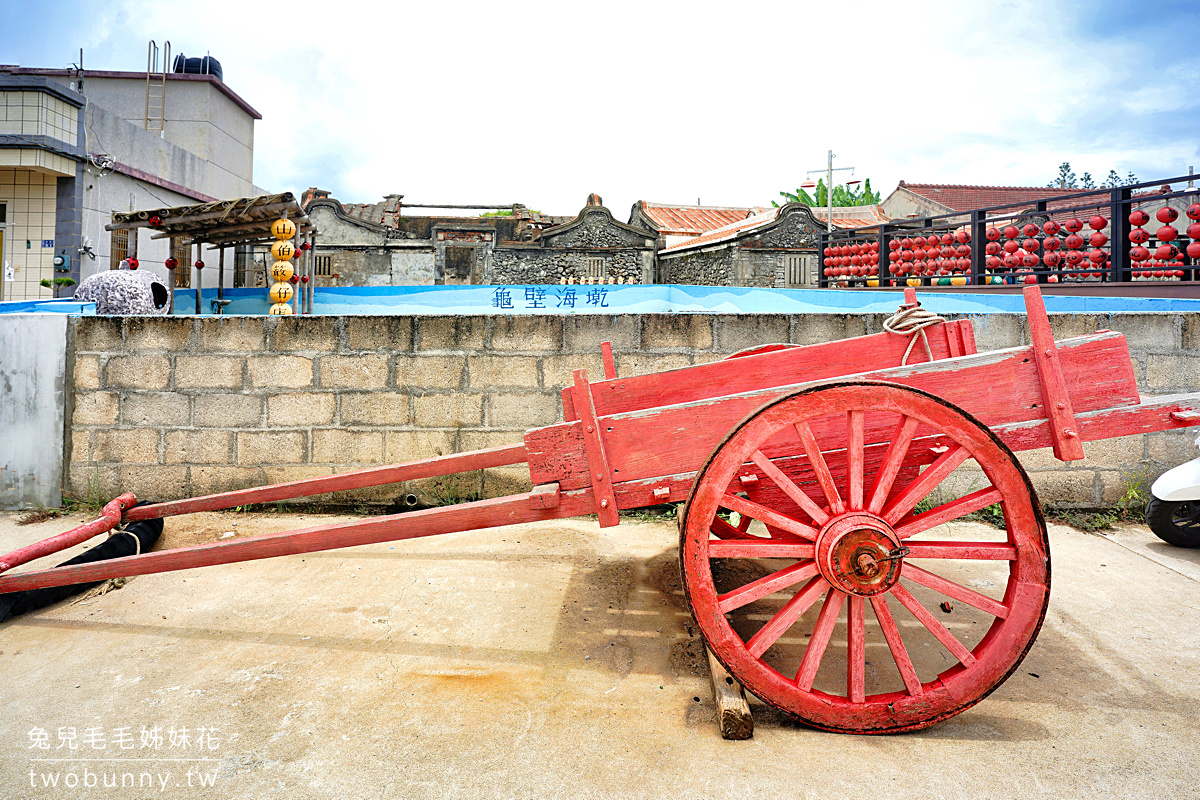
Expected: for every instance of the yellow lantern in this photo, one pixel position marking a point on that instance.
(958, 281)
(282, 250)
(281, 292)
(872, 282)
(281, 271)
(280, 310)
(914, 282)
(283, 229)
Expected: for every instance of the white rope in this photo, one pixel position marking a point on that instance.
(909, 321)
(137, 543)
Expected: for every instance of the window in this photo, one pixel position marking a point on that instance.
(248, 267)
(119, 250)
(183, 273)
(595, 267)
(795, 270)
(323, 265)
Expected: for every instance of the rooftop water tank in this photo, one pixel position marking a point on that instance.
(206, 65)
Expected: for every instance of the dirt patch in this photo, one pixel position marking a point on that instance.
(215, 526)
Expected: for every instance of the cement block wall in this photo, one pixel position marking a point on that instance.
(172, 407)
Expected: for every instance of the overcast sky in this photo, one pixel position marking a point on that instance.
(542, 103)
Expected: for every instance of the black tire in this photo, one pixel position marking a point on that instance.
(1175, 523)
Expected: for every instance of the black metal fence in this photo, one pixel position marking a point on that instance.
(1142, 232)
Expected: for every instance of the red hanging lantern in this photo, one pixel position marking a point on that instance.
(1139, 236)
(1031, 279)
(1073, 225)
(993, 262)
(1051, 243)
(1011, 246)
(1139, 253)
(992, 234)
(1074, 241)
(1138, 217)
(992, 248)
(947, 239)
(1031, 260)
(1098, 222)
(918, 242)
(1193, 211)
(1166, 233)
(1030, 229)
(1011, 232)
(1166, 252)
(1074, 257)
(827, 272)
(1097, 256)
(874, 247)
(855, 249)
(1166, 215)
(1193, 250)
(963, 237)
(1051, 259)
(1098, 239)
(893, 244)
(828, 251)
(1031, 245)
(1051, 228)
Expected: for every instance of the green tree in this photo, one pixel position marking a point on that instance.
(843, 196)
(1066, 179)
(59, 283)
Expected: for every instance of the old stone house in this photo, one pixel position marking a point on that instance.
(775, 248)
(379, 245)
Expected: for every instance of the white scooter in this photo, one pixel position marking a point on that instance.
(1174, 511)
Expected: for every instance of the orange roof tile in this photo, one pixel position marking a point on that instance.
(677, 220)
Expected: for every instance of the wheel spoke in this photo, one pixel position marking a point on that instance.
(856, 651)
(934, 474)
(786, 617)
(789, 488)
(854, 457)
(819, 467)
(953, 590)
(957, 648)
(767, 516)
(899, 654)
(756, 590)
(723, 530)
(976, 551)
(819, 639)
(947, 512)
(892, 461)
(753, 547)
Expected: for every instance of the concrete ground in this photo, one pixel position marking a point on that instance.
(553, 661)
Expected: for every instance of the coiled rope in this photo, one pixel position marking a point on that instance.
(909, 320)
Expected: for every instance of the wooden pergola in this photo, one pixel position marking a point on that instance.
(222, 224)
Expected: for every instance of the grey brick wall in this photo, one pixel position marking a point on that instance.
(173, 407)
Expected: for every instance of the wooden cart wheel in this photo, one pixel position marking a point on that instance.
(834, 473)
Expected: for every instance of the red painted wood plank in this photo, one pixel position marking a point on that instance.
(359, 479)
(998, 387)
(599, 474)
(1152, 414)
(750, 373)
(1067, 446)
(509, 510)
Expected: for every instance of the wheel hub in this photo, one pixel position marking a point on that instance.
(859, 554)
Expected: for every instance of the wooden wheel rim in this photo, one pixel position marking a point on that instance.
(996, 655)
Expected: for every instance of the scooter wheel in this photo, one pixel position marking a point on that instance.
(1175, 523)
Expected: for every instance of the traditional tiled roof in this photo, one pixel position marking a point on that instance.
(726, 232)
(847, 217)
(682, 220)
(958, 197)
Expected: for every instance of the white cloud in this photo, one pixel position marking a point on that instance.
(544, 103)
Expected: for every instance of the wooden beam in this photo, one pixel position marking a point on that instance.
(733, 712)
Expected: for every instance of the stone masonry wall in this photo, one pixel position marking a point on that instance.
(174, 407)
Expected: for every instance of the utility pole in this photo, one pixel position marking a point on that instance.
(829, 170)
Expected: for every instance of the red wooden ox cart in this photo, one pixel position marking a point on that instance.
(818, 482)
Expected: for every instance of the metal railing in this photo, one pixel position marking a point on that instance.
(1141, 232)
